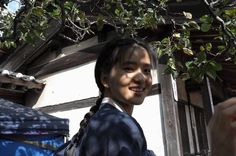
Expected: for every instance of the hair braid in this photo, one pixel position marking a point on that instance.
(110, 54)
(87, 116)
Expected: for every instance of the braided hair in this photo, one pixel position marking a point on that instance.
(111, 54)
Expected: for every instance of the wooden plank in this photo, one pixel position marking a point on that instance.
(20, 82)
(190, 132)
(201, 129)
(181, 91)
(170, 117)
(207, 99)
(184, 126)
(12, 95)
(80, 57)
(84, 102)
(156, 89)
(69, 105)
(66, 62)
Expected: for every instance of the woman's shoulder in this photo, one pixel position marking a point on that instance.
(116, 127)
(108, 110)
(110, 113)
(110, 118)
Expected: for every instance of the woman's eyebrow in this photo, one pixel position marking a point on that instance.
(135, 63)
(129, 63)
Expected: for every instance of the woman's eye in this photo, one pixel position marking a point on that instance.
(128, 69)
(147, 70)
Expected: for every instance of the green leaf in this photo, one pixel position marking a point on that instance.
(38, 11)
(56, 12)
(176, 35)
(160, 52)
(117, 11)
(68, 5)
(100, 22)
(166, 40)
(188, 15)
(201, 57)
(221, 47)
(167, 70)
(194, 25)
(208, 46)
(205, 27)
(187, 51)
(215, 66)
(171, 63)
(206, 19)
(231, 11)
(184, 76)
(211, 74)
(202, 49)
(189, 64)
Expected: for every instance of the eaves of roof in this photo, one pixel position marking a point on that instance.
(16, 81)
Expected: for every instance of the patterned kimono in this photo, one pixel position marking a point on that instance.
(111, 132)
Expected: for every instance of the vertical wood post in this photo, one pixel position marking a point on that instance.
(170, 117)
(207, 99)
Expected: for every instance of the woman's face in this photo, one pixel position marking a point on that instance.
(130, 79)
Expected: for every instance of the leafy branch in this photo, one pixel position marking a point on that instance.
(127, 18)
(229, 37)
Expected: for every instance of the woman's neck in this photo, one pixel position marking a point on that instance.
(122, 107)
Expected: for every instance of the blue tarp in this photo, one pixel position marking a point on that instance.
(35, 145)
(27, 132)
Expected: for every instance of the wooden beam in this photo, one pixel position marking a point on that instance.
(66, 62)
(156, 89)
(77, 58)
(20, 82)
(12, 95)
(85, 102)
(207, 99)
(69, 105)
(170, 118)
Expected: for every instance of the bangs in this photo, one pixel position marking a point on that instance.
(121, 53)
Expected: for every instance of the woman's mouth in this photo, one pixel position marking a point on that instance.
(137, 90)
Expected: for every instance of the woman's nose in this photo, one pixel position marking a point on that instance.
(139, 76)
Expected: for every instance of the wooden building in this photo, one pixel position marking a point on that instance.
(174, 116)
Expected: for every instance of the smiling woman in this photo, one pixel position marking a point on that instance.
(123, 76)
(130, 79)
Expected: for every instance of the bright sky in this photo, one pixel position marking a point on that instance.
(13, 6)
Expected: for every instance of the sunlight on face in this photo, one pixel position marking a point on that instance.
(130, 80)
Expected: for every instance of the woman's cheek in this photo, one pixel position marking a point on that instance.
(149, 81)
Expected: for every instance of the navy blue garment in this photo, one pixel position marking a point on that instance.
(111, 132)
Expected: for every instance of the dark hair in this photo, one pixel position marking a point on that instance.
(111, 54)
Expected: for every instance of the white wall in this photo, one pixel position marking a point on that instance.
(148, 116)
(69, 85)
(78, 83)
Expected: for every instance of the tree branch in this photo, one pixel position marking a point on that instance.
(231, 39)
(16, 21)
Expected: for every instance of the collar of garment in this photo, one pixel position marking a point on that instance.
(113, 103)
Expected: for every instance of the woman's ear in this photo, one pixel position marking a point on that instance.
(105, 80)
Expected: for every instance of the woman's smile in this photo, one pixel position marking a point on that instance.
(137, 90)
(130, 80)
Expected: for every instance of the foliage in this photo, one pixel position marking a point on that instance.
(31, 21)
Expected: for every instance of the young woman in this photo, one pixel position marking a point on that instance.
(123, 76)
